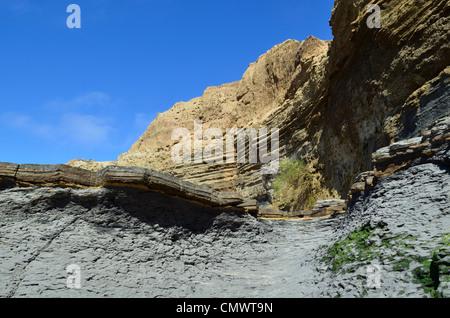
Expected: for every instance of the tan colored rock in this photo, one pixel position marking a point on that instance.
(358, 187)
(90, 164)
(252, 102)
(335, 104)
(8, 170)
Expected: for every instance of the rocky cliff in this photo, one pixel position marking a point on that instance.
(399, 220)
(367, 114)
(334, 102)
(248, 103)
(384, 84)
(112, 176)
(128, 241)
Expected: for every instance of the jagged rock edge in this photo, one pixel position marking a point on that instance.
(115, 176)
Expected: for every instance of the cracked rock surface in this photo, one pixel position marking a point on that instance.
(134, 243)
(393, 241)
(402, 226)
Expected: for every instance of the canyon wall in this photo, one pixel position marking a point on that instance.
(262, 93)
(383, 84)
(368, 113)
(334, 102)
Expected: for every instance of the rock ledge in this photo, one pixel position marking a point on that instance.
(63, 175)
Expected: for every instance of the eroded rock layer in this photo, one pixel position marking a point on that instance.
(384, 84)
(335, 102)
(261, 93)
(394, 241)
(373, 103)
(63, 175)
(432, 146)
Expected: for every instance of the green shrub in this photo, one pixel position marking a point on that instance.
(293, 189)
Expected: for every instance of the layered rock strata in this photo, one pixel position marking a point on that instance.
(335, 102)
(322, 209)
(131, 242)
(429, 147)
(127, 242)
(394, 240)
(264, 92)
(383, 84)
(67, 176)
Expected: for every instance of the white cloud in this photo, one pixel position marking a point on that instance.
(18, 6)
(70, 128)
(85, 129)
(26, 123)
(89, 100)
(89, 120)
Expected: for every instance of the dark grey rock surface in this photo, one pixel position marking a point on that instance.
(129, 242)
(406, 217)
(435, 103)
(134, 243)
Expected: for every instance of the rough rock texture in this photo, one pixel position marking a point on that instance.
(131, 242)
(371, 104)
(335, 103)
(263, 92)
(127, 241)
(401, 225)
(399, 220)
(91, 164)
(134, 243)
(384, 84)
(404, 153)
(323, 208)
(399, 154)
(64, 175)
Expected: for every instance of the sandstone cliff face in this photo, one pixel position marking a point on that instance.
(249, 103)
(374, 104)
(334, 104)
(245, 103)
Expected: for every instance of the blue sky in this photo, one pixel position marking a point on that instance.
(91, 92)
